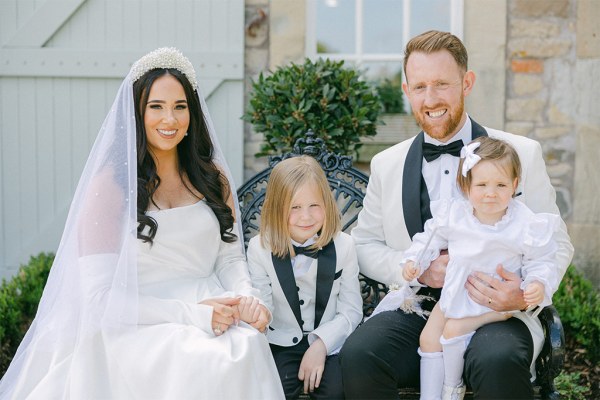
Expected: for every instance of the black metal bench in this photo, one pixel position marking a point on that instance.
(349, 187)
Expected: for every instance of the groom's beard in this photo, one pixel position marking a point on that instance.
(444, 129)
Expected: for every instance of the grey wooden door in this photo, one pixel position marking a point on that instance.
(61, 62)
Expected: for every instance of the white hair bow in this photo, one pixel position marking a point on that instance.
(468, 153)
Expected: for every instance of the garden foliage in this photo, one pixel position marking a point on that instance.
(578, 304)
(19, 298)
(324, 96)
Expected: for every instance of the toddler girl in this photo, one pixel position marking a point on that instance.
(488, 229)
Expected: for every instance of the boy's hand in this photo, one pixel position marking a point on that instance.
(263, 319)
(312, 365)
(249, 309)
(534, 293)
(410, 271)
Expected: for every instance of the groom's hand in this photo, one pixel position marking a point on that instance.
(499, 295)
(435, 274)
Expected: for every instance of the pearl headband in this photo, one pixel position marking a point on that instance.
(470, 158)
(164, 57)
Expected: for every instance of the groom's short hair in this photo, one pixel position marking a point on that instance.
(432, 41)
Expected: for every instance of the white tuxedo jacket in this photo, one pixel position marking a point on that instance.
(394, 206)
(293, 301)
(392, 213)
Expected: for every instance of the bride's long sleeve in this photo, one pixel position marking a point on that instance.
(154, 310)
(97, 274)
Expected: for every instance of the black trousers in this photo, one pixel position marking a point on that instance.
(288, 361)
(381, 356)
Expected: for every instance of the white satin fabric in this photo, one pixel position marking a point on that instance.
(174, 353)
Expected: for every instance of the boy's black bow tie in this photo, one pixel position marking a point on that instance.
(306, 251)
(431, 151)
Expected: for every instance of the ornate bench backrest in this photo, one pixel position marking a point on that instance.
(348, 185)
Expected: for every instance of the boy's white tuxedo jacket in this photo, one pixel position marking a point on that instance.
(342, 314)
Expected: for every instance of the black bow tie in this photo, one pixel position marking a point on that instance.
(306, 251)
(431, 151)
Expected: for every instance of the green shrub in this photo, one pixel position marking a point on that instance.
(578, 304)
(333, 101)
(19, 298)
(390, 96)
(569, 387)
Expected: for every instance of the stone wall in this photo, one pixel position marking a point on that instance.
(585, 222)
(541, 55)
(553, 59)
(256, 60)
(275, 35)
(485, 38)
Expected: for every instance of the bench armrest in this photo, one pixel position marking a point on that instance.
(551, 359)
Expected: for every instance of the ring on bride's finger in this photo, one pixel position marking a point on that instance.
(489, 300)
(218, 330)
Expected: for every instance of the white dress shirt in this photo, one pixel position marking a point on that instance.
(440, 174)
(301, 263)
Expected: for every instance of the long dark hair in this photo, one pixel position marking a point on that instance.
(195, 153)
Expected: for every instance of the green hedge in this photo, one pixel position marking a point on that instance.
(19, 298)
(578, 304)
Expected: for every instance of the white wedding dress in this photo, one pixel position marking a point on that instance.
(173, 353)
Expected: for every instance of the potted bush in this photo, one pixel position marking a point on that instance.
(324, 96)
(394, 124)
(390, 95)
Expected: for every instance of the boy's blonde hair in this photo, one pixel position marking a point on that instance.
(496, 150)
(285, 180)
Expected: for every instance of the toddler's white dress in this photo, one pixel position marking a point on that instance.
(521, 241)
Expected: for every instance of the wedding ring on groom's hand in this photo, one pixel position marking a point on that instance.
(217, 330)
(489, 300)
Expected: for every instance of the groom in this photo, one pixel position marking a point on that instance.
(381, 355)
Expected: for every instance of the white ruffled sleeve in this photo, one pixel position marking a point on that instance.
(539, 254)
(434, 226)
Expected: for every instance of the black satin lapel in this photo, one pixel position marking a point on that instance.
(412, 181)
(425, 206)
(325, 278)
(477, 130)
(285, 274)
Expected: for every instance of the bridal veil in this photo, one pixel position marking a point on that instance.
(92, 291)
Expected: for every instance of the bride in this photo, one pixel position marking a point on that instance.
(149, 296)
